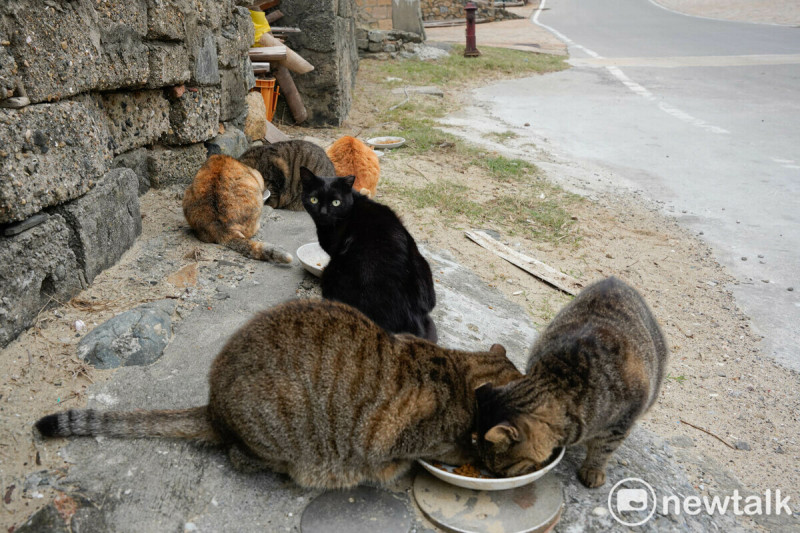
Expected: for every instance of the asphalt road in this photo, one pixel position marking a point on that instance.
(702, 115)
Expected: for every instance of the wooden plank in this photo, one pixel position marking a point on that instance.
(284, 29)
(268, 53)
(534, 267)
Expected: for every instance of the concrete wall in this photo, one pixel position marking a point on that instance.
(123, 95)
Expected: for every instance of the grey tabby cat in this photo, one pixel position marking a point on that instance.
(315, 389)
(596, 368)
(279, 163)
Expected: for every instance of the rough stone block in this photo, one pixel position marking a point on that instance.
(114, 15)
(194, 116)
(50, 153)
(135, 118)
(105, 222)
(8, 69)
(175, 165)
(235, 38)
(34, 266)
(233, 91)
(233, 143)
(328, 42)
(75, 55)
(169, 65)
(203, 50)
(135, 337)
(139, 162)
(166, 20)
(362, 44)
(255, 125)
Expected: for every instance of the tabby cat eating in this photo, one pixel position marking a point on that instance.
(315, 389)
(223, 205)
(596, 368)
(375, 265)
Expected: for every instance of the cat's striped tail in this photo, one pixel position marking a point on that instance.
(259, 250)
(190, 424)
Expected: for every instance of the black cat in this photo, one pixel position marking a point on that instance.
(375, 265)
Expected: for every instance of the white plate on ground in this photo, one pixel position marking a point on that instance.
(313, 258)
(445, 473)
(386, 142)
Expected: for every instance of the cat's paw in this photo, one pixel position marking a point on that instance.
(592, 477)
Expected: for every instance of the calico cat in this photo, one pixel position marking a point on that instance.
(375, 265)
(280, 164)
(596, 368)
(315, 389)
(223, 205)
(352, 157)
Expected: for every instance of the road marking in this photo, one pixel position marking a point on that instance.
(629, 83)
(688, 61)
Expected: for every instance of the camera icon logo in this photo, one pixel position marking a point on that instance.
(632, 502)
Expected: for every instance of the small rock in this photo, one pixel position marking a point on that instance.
(599, 511)
(790, 289)
(741, 445)
(527, 124)
(80, 325)
(744, 258)
(761, 256)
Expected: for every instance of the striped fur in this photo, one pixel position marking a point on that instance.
(280, 164)
(223, 205)
(596, 368)
(315, 389)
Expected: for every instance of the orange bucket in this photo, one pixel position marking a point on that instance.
(269, 92)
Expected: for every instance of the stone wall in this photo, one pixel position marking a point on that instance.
(327, 41)
(100, 100)
(454, 9)
(375, 14)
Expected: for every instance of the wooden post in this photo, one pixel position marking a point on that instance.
(290, 93)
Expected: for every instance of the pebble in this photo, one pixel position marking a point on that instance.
(741, 445)
(744, 258)
(599, 511)
(790, 289)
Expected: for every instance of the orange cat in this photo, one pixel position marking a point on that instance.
(352, 157)
(223, 205)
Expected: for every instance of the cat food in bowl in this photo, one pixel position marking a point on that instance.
(386, 142)
(313, 258)
(470, 477)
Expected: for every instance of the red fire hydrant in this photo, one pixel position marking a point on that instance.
(471, 50)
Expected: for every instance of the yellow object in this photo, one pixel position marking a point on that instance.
(260, 23)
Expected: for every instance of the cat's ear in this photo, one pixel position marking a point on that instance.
(307, 177)
(349, 180)
(497, 349)
(502, 436)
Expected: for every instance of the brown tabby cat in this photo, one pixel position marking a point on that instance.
(280, 164)
(223, 205)
(596, 368)
(315, 389)
(352, 157)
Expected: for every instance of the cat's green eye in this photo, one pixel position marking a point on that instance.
(313, 199)
(336, 203)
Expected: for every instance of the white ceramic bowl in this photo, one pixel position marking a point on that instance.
(313, 258)
(386, 142)
(495, 483)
